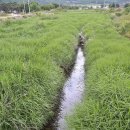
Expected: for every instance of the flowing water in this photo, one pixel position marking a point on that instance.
(72, 92)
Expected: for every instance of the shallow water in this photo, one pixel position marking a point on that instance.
(72, 92)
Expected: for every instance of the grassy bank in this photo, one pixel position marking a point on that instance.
(122, 23)
(31, 53)
(106, 103)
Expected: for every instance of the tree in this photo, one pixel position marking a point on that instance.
(10, 7)
(114, 5)
(56, 5)
(126, 5)
(29, 6)
(34, 6)
(104, 3)
(24, 10)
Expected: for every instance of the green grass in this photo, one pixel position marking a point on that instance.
(122, 24)
(106, 103)
(31, 53)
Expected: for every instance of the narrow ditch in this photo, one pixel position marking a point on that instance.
(72, 91)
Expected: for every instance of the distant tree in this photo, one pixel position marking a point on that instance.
(70, 7)
(102, 5)
(126, 5)
(49, 6)
(34, 6)
(10, 7)
(24, 11)
(29, 6)
(56, 5)
(26, 8)
(114, 5)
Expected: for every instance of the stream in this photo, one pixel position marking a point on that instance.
(72, 92)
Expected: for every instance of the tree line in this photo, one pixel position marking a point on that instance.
(35, 6)
(25, 7)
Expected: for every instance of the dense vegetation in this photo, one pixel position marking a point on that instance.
(7, 7)
(122, 24)
(31, 53)
(20, 7)
(121, 20)
(106, 103)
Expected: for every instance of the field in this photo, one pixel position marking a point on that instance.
(32, 51)
(106, 104)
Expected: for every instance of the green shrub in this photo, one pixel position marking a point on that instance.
(118, 14)
(127, 10)
(113, 16)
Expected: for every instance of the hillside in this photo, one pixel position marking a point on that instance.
(68, 1)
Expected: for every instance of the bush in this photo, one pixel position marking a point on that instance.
(118, 14)
(113, 16)
(127, 10)
(125, 29)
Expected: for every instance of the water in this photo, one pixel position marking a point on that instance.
(73, 91)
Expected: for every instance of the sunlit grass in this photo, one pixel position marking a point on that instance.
(31, 53)
(106, 104)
